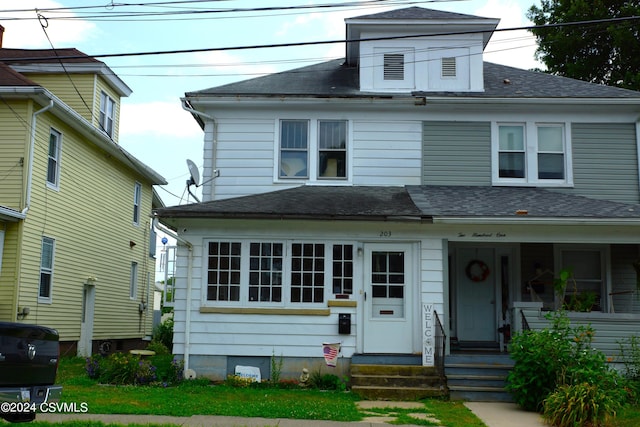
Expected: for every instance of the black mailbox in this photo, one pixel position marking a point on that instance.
(344, 323)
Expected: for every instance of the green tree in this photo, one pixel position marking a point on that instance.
(605, 53)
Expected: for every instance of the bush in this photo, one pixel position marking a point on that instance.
(327, 381)
(158, 348)
(163, 333)
(558, 356)
(580, 404)
(121, 369)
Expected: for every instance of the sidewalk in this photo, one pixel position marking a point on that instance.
(493, 414)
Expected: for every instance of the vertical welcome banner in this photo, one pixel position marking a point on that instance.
(330, 351)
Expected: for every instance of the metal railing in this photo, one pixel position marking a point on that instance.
(439, 345)
(525, 324)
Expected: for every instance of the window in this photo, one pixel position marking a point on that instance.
(588, 265)
(107, 108)
(265, 272)
(393, 66)
(307, 272)
(531, 153)
(223, 271)
(387, 274)
(294, 148)
(277, 273)
(46, 269)
(449, 67)
(137, 197)
(321, 158)
(332, 142)
(133, 284)
(53, 165)
(343, 269)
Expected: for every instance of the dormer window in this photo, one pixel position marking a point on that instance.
(449, 66)
(107, 112)
(393, 66)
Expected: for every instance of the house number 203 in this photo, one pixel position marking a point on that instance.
(385, 233)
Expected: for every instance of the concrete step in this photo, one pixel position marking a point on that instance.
(388, 382)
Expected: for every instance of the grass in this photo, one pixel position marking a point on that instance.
(199, 398)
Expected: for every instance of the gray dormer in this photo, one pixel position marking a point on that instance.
(417, 49)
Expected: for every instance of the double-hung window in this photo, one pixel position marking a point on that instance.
(137, 200)
(133, 281)
(281, 273)
(531, 154)
(53, 162)
(46, 269)
(321, 157)
(107, 112)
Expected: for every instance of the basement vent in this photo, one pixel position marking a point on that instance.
(393, 66)
(449, 67)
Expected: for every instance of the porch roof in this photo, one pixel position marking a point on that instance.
(414, 202)
(504, 202)
(308, 202)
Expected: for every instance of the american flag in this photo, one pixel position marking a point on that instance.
(331, 353)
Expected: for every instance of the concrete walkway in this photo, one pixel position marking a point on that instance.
(499, 414)
(493, 414)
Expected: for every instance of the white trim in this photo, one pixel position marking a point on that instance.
(58, 169)
(47, 299)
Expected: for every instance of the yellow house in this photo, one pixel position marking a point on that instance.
(76, 243)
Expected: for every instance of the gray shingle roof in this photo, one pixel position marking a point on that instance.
(477, 201)
(306, 202)
(336, 80)
(415, 202)
(418, 13)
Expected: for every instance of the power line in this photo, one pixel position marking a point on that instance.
(323, 42)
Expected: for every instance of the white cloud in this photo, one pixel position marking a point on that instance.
(29, 34)
(515, 48)
(161, 118)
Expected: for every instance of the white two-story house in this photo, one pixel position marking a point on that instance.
(368, 200)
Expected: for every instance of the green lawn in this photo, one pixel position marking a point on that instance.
(199, 398)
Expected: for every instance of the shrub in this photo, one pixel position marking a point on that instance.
(163, 333)
(581, 404)
(559, 355)
(158, 347)
(327, 381)
(121, 369)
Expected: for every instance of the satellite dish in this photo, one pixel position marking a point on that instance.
(195, 174)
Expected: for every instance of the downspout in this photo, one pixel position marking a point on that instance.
(32, 144)
(214, 143)
(187, 328)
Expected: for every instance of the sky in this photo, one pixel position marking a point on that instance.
(153, 126)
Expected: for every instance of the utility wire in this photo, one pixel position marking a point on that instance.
(323, 42)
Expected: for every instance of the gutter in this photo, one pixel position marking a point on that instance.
(542, 221)
(32, 144)
(187, 328)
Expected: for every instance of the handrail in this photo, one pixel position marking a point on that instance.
(440, 343)
(525, 324)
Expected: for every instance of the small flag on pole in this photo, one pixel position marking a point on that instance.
(331, 351)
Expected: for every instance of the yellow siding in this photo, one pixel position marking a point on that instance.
(15, 118)
(9, 272)
(75, 90)
(102, 86)
(91, 219)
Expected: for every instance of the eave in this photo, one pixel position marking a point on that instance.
(101, 140)
(523, 220)
(11, 215)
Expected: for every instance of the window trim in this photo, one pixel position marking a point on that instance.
(137, 203)
(287, 257)
(133, 281)
(313, 152)
(106, 119)
(50, 271)
(58, 135)
(530, 133)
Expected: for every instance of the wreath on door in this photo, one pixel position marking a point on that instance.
(477, 271)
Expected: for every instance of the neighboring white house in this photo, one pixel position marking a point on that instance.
(359, 199)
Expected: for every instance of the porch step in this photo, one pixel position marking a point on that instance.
(478, 377)
(396, 382)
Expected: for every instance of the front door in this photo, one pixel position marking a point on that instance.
(476, 294)
(388, 317)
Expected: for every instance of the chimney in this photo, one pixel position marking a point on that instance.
(1, 34)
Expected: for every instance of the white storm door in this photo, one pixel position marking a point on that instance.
(476, 295)
(388, 284)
